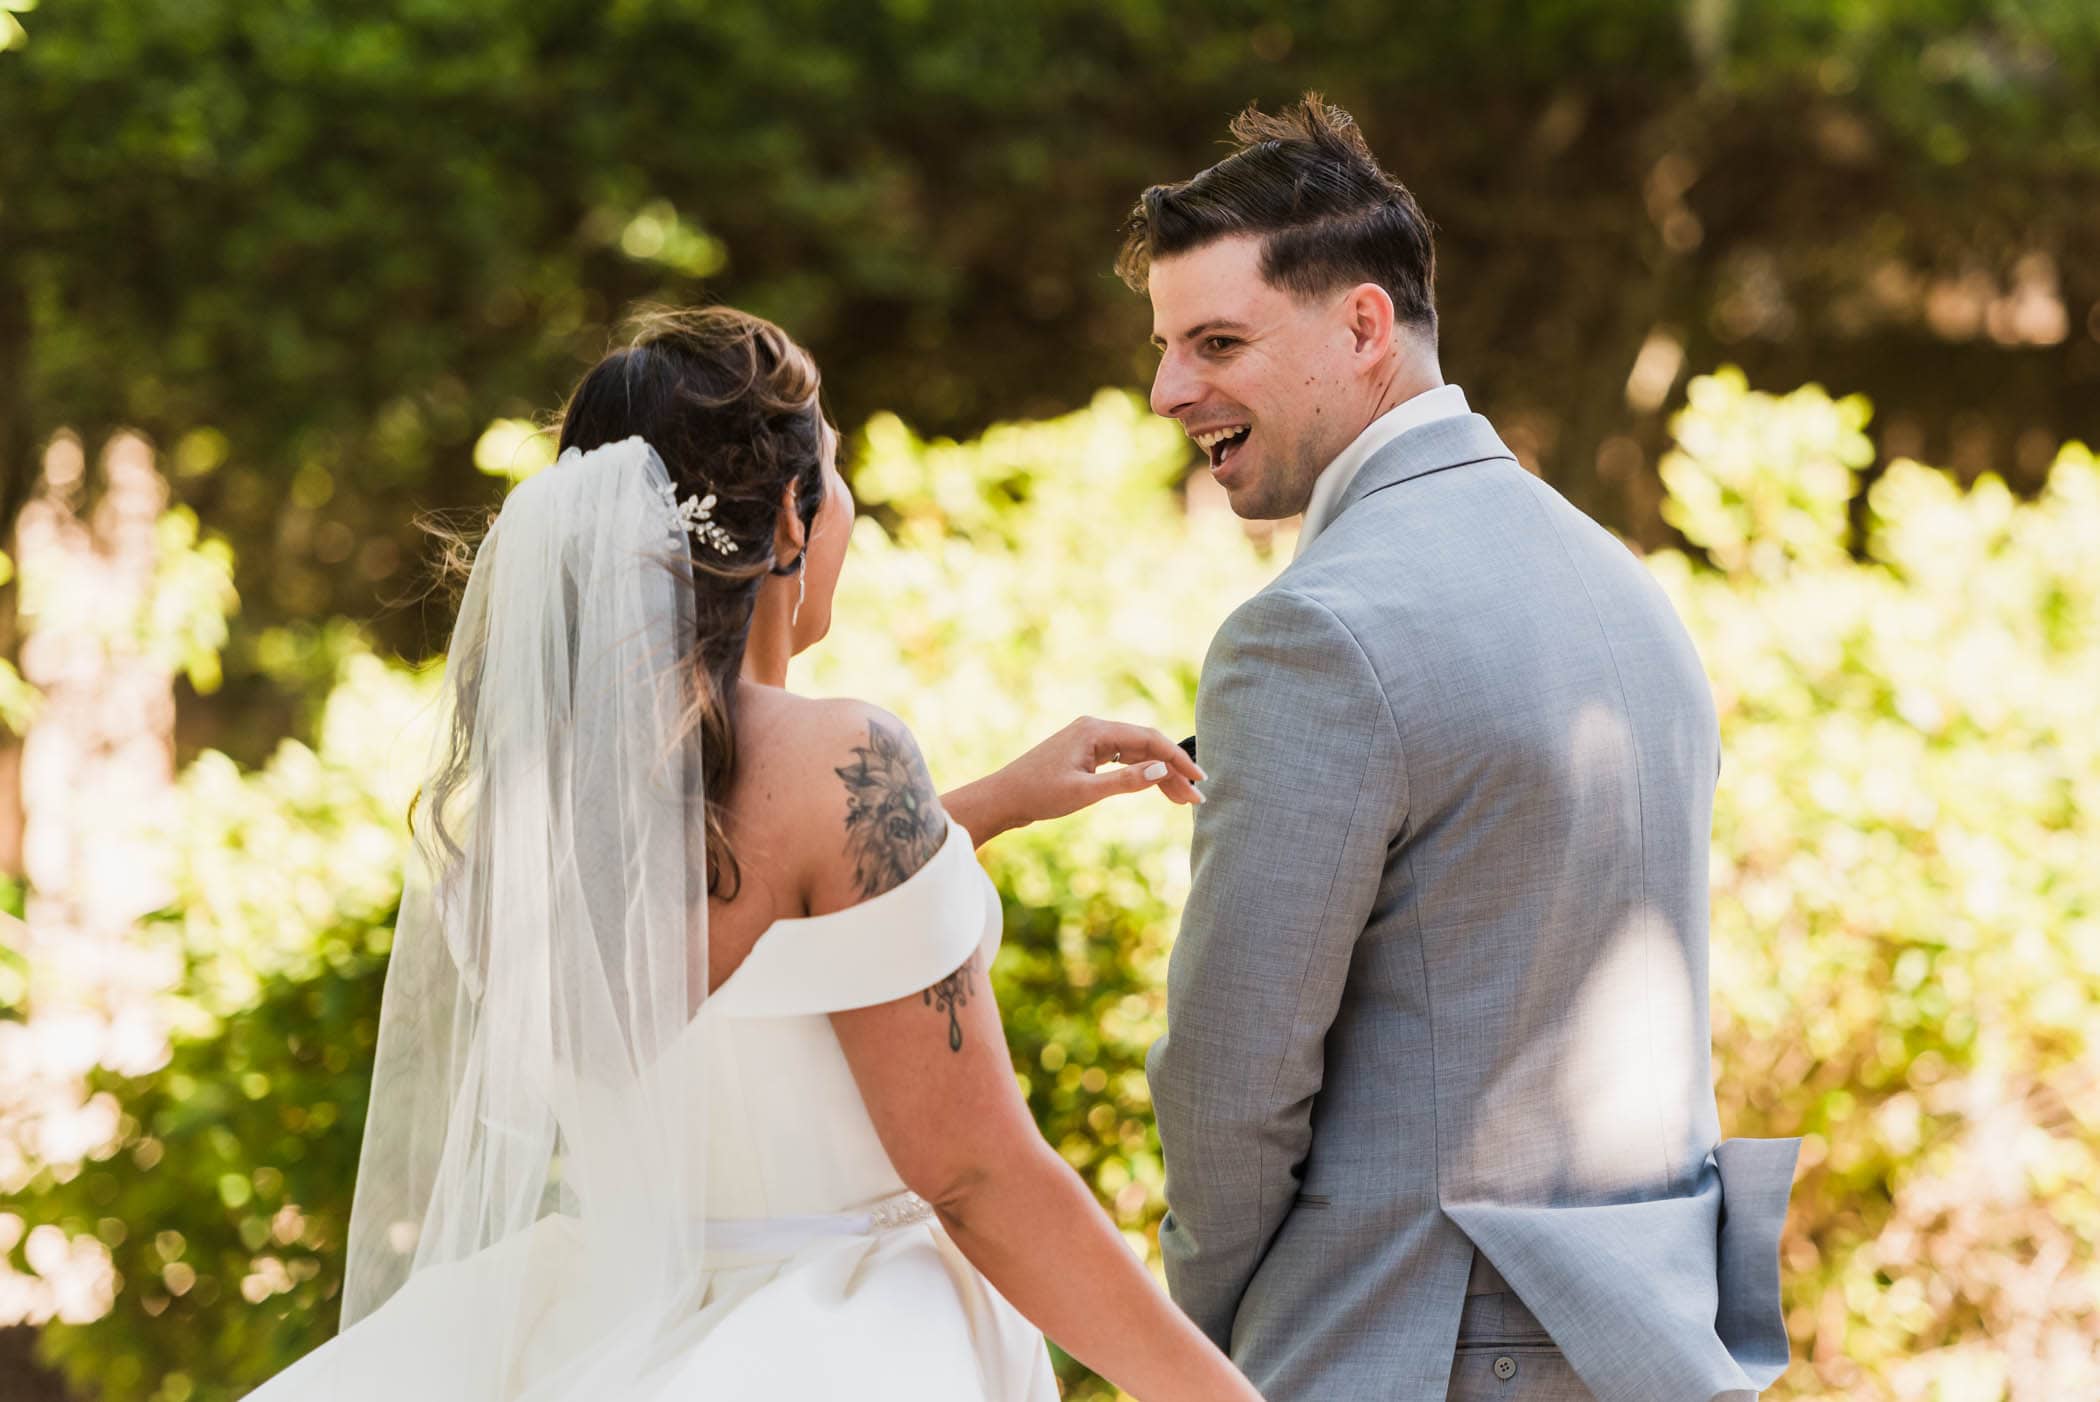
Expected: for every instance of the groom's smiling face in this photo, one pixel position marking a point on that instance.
(1268, 382)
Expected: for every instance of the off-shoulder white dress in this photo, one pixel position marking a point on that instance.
(825, 1277)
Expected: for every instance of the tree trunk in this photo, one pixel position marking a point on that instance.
(22, 1378)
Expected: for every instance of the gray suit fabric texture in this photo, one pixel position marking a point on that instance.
(1504, 1353)
(1441, 984)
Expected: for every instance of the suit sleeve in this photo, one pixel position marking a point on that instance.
(1306, 795)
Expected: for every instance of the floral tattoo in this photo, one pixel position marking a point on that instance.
(894, 823)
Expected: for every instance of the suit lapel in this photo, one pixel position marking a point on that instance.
(1434, 447)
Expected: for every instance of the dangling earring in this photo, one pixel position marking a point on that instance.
(801, 583)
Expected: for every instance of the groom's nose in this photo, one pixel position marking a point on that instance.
(1174, 388)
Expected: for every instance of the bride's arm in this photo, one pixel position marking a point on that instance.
(932, 1068)
(934, 1072)
(984, 808)
(1087, 761)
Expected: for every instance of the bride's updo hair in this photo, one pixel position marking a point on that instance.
(730, 404)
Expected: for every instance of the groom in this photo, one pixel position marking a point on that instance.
(1435, 1096)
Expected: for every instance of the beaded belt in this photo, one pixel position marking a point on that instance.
(769, 1235)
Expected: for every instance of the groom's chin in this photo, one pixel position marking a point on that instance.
(1259, 501)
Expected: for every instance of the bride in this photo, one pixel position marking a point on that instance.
(690, 1083)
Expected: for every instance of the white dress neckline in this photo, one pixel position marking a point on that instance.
(872, 905)
(818, 966)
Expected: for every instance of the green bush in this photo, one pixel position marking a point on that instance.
(1906, 948)
(1906, 954)
(223, 1203)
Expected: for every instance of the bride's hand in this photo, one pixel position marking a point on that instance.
(1080, 765)
(1090, 760)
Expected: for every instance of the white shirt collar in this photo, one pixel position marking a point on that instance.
(1443, 402)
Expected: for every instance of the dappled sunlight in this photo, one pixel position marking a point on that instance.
(1629, 1021)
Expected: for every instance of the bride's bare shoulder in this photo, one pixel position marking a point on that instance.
(848, 778)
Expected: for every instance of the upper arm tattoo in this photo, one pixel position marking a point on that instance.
(948, 996)
(894, 823)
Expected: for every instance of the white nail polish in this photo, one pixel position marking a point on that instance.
(1155, 771)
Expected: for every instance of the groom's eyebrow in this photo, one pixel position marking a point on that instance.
(1202, 328)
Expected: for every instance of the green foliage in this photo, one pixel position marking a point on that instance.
(224, 1201)
(225, 1213)
(189, 599)
(14, 965)
(1906, 955)
(276, 871)
(1764, 484)
(12, 34)
(18, 699)
(178, 622)
(328, 244)
(1906, 952)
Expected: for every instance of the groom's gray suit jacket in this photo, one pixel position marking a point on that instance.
(1442, 980)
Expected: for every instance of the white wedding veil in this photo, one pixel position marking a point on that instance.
(531, 1168)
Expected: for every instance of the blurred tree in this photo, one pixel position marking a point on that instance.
(233, 1192)
(215, 1221)
(120, 600)
(312, 251)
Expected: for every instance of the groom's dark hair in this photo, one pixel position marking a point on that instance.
(1305, 180)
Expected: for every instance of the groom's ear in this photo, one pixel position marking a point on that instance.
(1369, 309)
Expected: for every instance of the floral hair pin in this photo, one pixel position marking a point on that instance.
(696, 514)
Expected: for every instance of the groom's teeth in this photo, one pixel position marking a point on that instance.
(1216, 436)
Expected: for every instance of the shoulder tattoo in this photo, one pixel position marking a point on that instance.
(894, 823)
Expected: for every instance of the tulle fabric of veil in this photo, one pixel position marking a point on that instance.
(535, 1102)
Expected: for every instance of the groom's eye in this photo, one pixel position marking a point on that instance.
(1218, 344)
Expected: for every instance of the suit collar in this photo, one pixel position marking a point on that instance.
(1434, 447)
